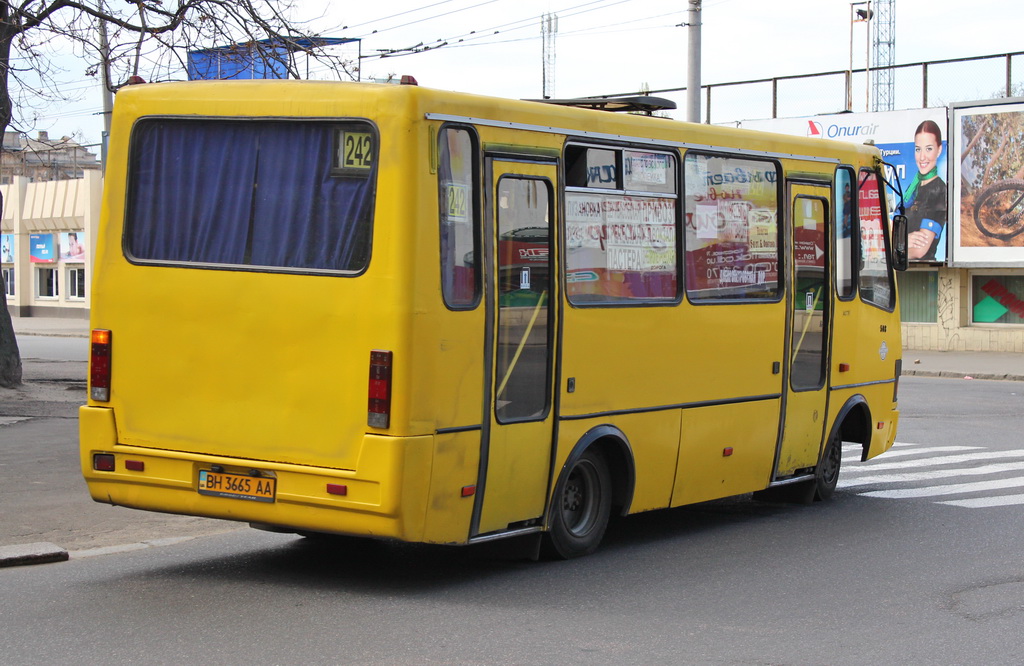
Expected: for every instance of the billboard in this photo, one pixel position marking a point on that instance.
(72, 246)
(914, 142)
(988, 183)
(41, 248)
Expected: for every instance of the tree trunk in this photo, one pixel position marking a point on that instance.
(10, 357)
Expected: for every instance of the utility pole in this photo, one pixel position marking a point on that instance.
(693, 63)
(548, 28)
(108, 96)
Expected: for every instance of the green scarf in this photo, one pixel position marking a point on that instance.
(912, 188)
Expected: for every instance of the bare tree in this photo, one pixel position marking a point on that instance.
(127, 39)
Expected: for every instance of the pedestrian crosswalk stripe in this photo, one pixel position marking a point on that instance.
(876, 465)
(985, 502)
(953, 489)
(928, 476)
(904, 450)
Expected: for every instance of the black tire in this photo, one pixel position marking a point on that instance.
(826, 475)
(999, 209)
(580, 508)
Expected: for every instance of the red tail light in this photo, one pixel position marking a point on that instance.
(379, 413)
(99, 365)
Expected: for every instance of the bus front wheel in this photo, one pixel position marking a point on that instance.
(580, 508)
(826, 476)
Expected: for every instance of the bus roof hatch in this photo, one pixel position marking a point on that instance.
(642, 103)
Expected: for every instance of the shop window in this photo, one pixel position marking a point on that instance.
(48, 282)
(8, 274)
(997, 299)
(76, 283)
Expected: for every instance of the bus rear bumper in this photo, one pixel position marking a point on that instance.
(386, 497)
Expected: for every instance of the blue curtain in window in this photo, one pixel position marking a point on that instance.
(304, 216)
(259, 194)
(191, 191)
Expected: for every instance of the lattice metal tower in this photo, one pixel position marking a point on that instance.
(548, 29)
(883, 55)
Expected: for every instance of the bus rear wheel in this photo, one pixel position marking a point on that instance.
(580, 508)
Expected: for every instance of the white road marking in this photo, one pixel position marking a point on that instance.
(876, 466)
(952, 489)
(985, 502)
(929, 476)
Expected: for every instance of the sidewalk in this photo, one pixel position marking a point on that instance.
(964, 365)
(959, 365)
(51, 326)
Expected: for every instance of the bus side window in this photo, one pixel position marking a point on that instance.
(875, 279)
(732, 228)
(844, 232)
(459, 215)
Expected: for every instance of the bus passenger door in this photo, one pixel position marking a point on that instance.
(515, 457)
(809, 332)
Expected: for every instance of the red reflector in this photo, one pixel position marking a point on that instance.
(468, 491)
(726, 452)
(844, 367)
(881, 425)
(99, 365)
(135, 465)
(103, 462)
(379, 407)
(336, 489)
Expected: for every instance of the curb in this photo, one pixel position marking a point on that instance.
(51, 334)
(947, 374)
(31, 553)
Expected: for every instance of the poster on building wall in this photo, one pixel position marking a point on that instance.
(914, 142)
(41, 248)
(72, 246)
(988, 184)
(7, 248)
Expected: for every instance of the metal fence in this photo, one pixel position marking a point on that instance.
(916, 85)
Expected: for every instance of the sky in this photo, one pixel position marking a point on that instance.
(620, 46)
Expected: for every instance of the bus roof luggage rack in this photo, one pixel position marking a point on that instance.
(642, 103)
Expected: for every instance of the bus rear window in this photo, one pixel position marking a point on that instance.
(280, 196)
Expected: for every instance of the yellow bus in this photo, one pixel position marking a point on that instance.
(403, 313)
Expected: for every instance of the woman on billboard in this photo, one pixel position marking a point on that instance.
(926, 195)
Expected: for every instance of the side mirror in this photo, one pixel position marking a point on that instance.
(900, 259)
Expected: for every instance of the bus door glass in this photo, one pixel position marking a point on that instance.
(809, 330)
(516, 455)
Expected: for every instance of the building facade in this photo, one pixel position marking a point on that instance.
(46, 249)
(43, 158)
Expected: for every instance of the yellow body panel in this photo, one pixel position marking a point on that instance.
(269, 370)
(726, 450)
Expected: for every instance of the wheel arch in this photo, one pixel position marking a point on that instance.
(853, 423)
(613, 444)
